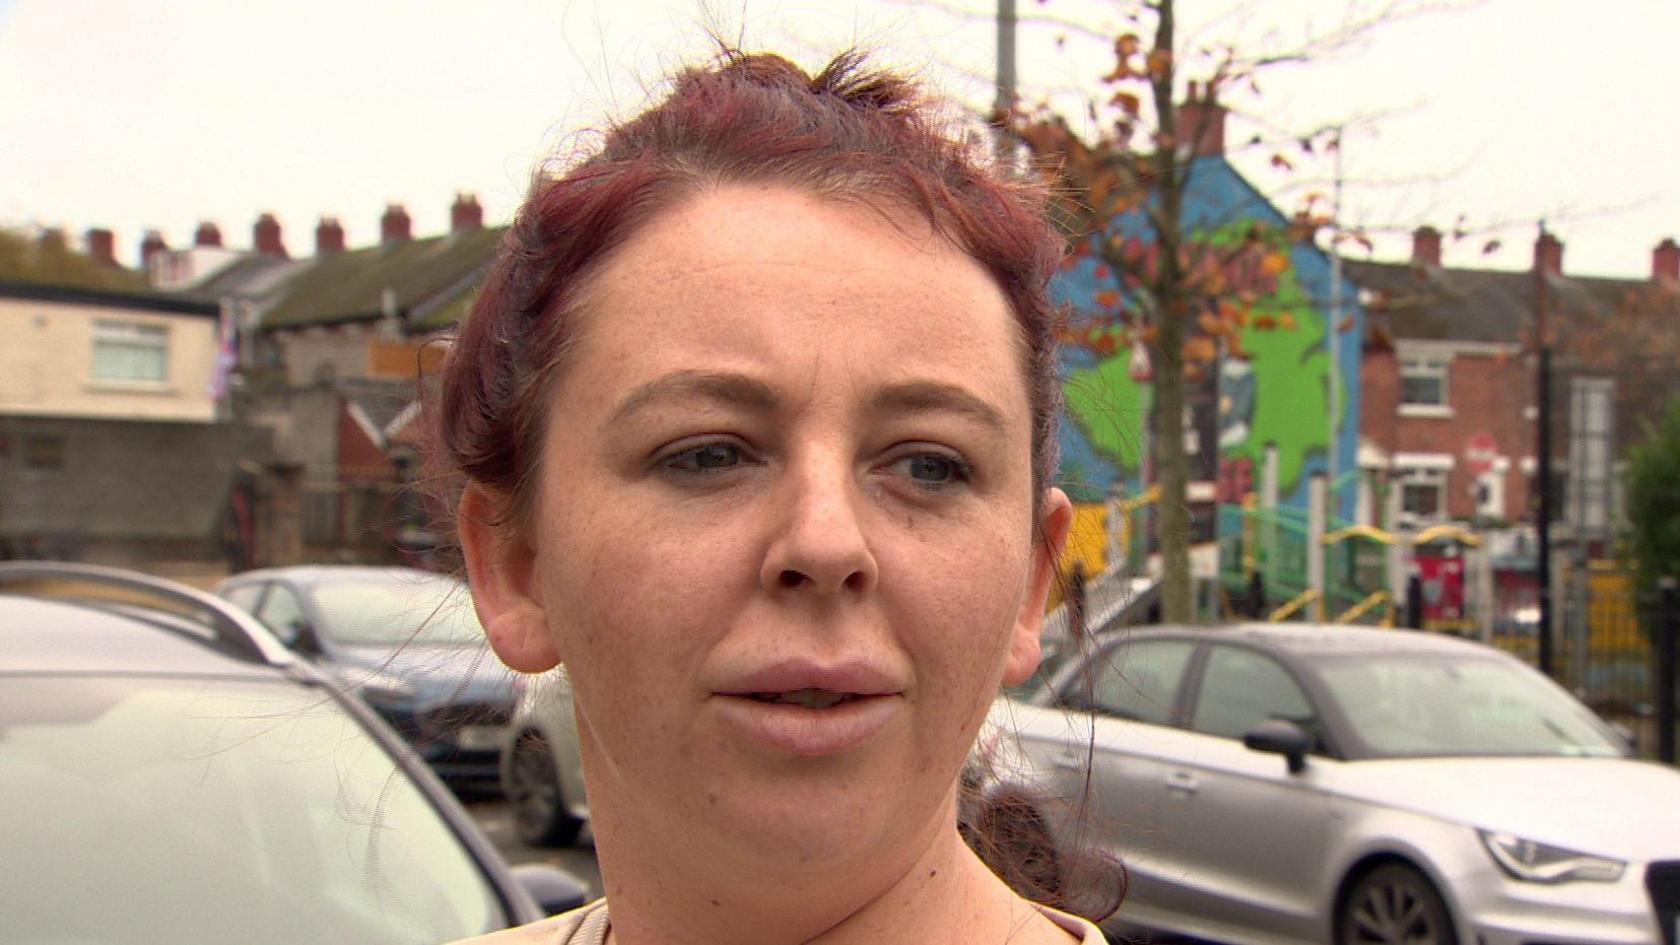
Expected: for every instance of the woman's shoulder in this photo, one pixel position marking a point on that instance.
(582, 926)
(1086, 932)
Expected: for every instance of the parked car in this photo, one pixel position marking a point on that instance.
(542, 770)
(407, 641)
(1288, 783)
(172, 774)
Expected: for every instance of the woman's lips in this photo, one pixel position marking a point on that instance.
(794, 729)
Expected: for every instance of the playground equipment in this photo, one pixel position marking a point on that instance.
(1287, 563)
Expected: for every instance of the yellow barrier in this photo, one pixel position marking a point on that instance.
(1288, 610)
(1359, 610)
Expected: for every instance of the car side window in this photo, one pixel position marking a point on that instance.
(244, 596)
(281, 612)
(1138, 680)
(1241, 688)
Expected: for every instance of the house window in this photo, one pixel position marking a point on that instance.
(1422, 493)
(126, 351)
(1423, 382)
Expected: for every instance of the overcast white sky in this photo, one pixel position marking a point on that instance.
(137, 115)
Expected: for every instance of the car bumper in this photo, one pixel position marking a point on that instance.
(470, 751)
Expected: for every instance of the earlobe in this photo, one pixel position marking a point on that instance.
(1029, 620)
(500, 568)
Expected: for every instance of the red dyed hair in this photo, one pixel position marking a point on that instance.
(846, 133)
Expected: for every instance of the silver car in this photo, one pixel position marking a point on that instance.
(1275, 784)
(542, 773)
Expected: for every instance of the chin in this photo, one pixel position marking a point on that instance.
(824, 824)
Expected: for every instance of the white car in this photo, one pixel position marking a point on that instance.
(1288, 783)
(542, 772)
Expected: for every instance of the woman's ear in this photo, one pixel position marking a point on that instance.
(1024, 651)
(501, 569)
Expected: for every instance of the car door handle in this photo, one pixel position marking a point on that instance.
(1181, 782)
(1069, 761)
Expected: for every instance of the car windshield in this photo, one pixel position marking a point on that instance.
(185, 811)
(1427, 705)
(372, 609)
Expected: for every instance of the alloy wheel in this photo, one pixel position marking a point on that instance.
(534, 797)
(1394, 905)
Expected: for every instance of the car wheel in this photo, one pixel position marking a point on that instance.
(1391, 905)
(534, 798)
(1011, 837)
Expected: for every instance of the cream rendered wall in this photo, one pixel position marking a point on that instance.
(46, 364)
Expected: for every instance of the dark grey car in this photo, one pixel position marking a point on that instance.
(407, 641)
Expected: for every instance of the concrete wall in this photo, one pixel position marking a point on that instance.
(46, 364)
(120, 491)
(324, 353)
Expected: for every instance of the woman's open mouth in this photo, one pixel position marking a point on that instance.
(806, 698)
(807, 722)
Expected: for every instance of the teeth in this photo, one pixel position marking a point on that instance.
(809, 698)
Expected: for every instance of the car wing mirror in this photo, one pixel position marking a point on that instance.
(1280, 737)
(299, 635)
(554, 889)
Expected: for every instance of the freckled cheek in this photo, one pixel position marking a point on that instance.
(967, 592)
(641, 605)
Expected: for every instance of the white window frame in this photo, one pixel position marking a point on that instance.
(1434, 367)
(1419, 476)
(139, 339)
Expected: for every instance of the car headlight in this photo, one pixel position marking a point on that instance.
(1542, 863)
(378, 687)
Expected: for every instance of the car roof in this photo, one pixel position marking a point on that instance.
(313, 573)
(1311, 639)
(40, 636)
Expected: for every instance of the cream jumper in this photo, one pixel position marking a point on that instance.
(588, 926)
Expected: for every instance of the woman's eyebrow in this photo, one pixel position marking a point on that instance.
(936, 397)
(721, 387)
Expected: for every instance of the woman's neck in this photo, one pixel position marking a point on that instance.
(944, 896)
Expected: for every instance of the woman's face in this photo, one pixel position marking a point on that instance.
(783, 531)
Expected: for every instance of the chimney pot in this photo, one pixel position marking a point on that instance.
(1201, 123)
(1665, 261)
(102, 245)
(209, 234)
(265, 237)
(329, 237)
(151, 246)
(465, 214)
(394, 225)
(1548, 254)
(1426, 246)
(53, 241)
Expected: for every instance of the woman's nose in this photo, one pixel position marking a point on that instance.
(820, 545)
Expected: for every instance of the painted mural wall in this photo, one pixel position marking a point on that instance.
(1279, 394)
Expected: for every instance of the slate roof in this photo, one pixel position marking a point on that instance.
(252, 276)
(427, 279)
(1435, 303)
(29, 261)
(142, 301)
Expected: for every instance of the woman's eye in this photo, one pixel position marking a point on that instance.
(706, 458)
(933, 469)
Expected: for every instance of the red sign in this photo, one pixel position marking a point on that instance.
(1443, 590)
(1480, 453)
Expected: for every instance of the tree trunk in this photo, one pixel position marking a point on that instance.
(1172, 310)
(1172, 468)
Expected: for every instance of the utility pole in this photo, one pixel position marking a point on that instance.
(1005, 80)
(1543, 461)
(1332, 332)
